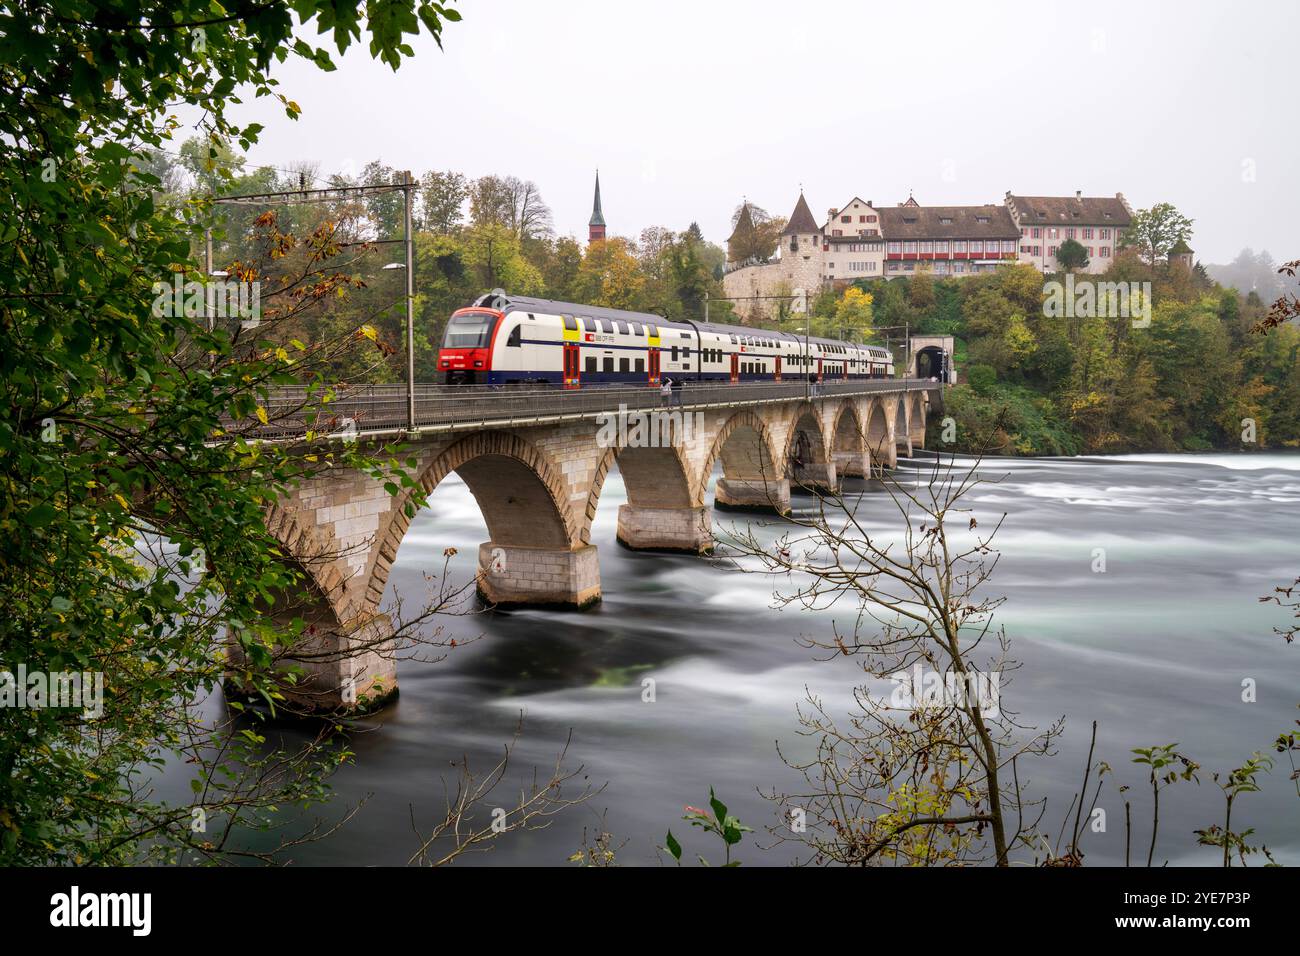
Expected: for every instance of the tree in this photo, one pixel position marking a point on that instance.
(1153, 232)
(123, 422)
(510, 202)
(442, 200)
(754, 234)
(931, 775)
(609, 275)
(1071, 255)
(854, 311)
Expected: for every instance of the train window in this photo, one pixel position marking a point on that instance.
(654, 331)
(623, 329)
(636, 328)
(609, 363)
(570, 323)
(588, 325)
(674, 353)
(640, 365)
(686, 335)
(591, 363)
(624, 365)
(515, 335)
(607, 326)
(733, 340)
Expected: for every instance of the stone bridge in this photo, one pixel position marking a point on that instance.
(536, 465)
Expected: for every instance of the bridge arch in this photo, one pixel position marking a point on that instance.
(751, 472)
(849, 441)
(663, 510)
(519, 491)
(902, 440)
(878, 434)
(916, 420)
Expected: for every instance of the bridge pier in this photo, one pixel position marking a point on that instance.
(338, 667)
(849, 464)
(753, 494)
(665, 529)
(817, 476)
(512, 576)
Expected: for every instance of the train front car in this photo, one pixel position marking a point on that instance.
(466, 354)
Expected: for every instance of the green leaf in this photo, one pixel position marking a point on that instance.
(673, 846)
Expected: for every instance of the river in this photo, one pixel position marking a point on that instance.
(1155, 649)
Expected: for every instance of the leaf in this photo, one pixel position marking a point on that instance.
(719, 808)
(261, 414)
(673, 846)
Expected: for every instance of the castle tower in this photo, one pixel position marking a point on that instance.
(1182, 256)
(596, 227)
(801, 250)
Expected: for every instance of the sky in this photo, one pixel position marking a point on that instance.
(687, 108)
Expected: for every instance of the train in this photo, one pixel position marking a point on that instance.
(521, 340)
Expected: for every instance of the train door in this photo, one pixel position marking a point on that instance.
(777, 373)
(571, 366)
(654, 366)
(844, 369)
(735, 368)
(819, 368)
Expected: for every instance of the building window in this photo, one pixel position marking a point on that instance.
(1038, 233)
(1105, 252)
(1105, 234)
(1087, 232)
(846, 218)
(977, 247)
(909, 247)
(895, 247)
(1069, 234)
(959, 245)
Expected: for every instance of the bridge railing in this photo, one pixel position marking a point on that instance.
(371, 409)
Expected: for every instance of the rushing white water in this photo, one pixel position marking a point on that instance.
(1155, 649)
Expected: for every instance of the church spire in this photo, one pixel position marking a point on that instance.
(596, 227)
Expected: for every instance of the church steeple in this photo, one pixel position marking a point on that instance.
(596, 227)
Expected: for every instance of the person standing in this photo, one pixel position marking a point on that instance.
(678, 382)
(665, 391)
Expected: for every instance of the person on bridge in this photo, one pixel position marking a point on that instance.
(678, 382)
(665, 391)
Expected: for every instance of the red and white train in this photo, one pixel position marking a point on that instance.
(509, 339)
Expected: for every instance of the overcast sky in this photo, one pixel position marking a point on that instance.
(687, 107)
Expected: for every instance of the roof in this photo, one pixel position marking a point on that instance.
(597, 217)
(1181, 248)
(947, 222)
(801, 220)
(1080, 210)
(744, 219)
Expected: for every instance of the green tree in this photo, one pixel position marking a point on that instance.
(1071, 255)
(121, 420)
(1153, 232)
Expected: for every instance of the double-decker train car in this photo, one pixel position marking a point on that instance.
(508, 340)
